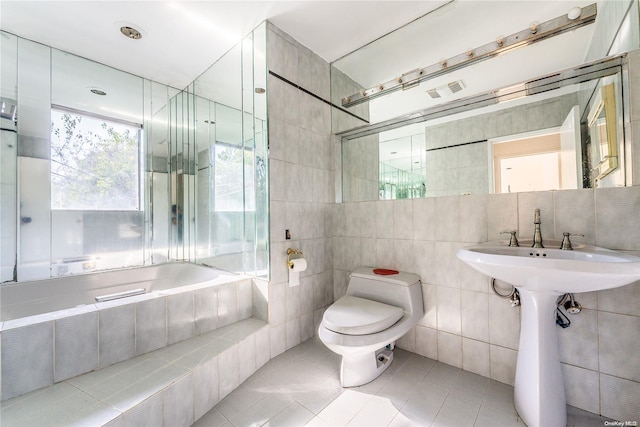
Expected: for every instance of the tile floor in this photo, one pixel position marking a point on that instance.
(301, 387)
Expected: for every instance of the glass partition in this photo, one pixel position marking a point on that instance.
(230, 131)
(84, 165)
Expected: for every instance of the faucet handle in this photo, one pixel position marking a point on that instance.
(566, 242)
(513, 241)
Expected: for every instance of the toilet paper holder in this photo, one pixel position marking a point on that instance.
(293, 252)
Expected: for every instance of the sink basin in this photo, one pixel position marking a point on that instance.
(584, 269)
(540, 275)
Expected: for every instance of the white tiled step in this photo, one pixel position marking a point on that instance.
(173, 386)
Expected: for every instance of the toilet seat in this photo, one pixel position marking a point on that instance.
(359, 316)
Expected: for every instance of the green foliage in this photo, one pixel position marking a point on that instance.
(93, 169)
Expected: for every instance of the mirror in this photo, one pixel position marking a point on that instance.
(85, 162)
(602, 131)
(477, 121)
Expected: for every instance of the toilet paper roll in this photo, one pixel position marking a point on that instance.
(294, 278)
(298, 265)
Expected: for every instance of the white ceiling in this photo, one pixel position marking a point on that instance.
(181, 39)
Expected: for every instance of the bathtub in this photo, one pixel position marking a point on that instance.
(52, 330)
(26, 299)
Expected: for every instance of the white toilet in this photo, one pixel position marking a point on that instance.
(363, 325)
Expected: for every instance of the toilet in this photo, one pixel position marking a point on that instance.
(379, 307)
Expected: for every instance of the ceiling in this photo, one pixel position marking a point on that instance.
(181, 39)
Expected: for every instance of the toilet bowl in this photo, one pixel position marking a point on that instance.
(363, 325)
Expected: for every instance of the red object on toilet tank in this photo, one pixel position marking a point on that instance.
(385, 271)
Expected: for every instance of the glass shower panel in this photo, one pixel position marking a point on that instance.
(97, 155)
(261, 147)
(8, 154)
(248, 140)
(34, 171)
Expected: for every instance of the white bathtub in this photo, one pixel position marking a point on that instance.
(63, 293)
(52, 330)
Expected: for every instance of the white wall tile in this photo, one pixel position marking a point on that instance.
(503, 364)
(448, 309)
(424, 260)
(408, 341)
(617, 217)
(575, 213)
(384, 219)
(292, 301)
(445, 264)
(277, 303)
(228, 371)
(502, 215)
(205, 387)
(205, 310)
(423, 218)
(247, 357)
(177, 403)
(447, 219)
(277, 339)
(578, 344)
(27, 359)
(475, 315)
(581, 388)
(180, 324)
(475, 357)
(450, 349)
(263, 347)
(147, 413)
(76, 345)
(623, 300)
(427, 342)
(504, 323)
(473, 218)
(151, 325)
(292, 333)
(619, 398)
(403, 219)
(117, 334)
(618, 338)
(228, 304)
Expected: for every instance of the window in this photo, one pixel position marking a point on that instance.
(234, 178)
(94, 162)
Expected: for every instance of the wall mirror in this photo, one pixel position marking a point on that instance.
(601, 122)
(83, 167)
(481, 126)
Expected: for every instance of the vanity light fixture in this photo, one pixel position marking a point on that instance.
(574, 13)
(576, 18)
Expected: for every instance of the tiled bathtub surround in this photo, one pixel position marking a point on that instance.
(173, 386)
(42, 350)
(465, 324)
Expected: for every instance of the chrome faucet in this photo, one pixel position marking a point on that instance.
(537, 235)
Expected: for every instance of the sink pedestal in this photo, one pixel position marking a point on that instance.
(539, 387)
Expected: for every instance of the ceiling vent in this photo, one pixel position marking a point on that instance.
(446, 90)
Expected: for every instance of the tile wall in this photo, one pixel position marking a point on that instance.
(465, 324)
(301, 171)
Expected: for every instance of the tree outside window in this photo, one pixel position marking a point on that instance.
(94, 163)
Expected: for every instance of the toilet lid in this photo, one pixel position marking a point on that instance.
(358, 316)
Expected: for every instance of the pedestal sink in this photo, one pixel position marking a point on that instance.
(541, 275)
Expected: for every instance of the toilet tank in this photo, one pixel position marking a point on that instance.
(401, 290)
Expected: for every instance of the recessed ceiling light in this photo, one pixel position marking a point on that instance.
(394, 152)
(131, 32)
(98, 92)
